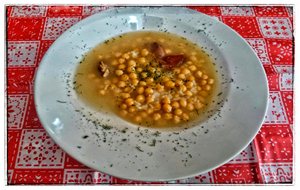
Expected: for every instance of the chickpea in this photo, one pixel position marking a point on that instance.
(119, 72)
(204, 77)
(176, 70)
(129, 101)
(118, 54)
(165, 79)
(157, 106)
(144, 74)
(198, 74)
(185, 116)
(193, 58)
(137, 118)
(117, 91)
(203, 93)
(207, 87)
(139, 69)
(123, 106)
(102, 92)
(203, 82)
(132, 63)
(156, 116)
(176, 95)
(190, 107)
(135, 82)
(142, 60)
(168, 51)
(188, 93)
(178, 82)
(159, 88)
(170, 84)
(140, 90)
(126, 56)
(130, 69)
(198, 105)
(210, 81)
(168, 116)
(201, 99)
(132, 109)
(121, 84)
(191, 78)
(148, 91)
(181, 76)
(189, 85)
(121, 60)
(144, 52)
(185, 71)
(123, 113)
(166, 100)
(112, 87)
(124, 77)
(150, 111)
(144, 114)
(132, 75)
(183, 88)
(127, 89)
(114, 63)
(176, 119)
(167, 107)
(149, 99)
(125, 95)
(121, 66)
(151, 69)
(143, 83)
(192, 67)
(178, 111)
(183, 102)
(175, 105)
(149, 80)
(140, 98)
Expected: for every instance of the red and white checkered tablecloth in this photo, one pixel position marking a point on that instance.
(33, 158)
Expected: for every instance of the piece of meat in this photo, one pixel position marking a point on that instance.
(103, 69)
(171, 61)
(157, 50)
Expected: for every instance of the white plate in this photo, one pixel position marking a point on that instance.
(176, 154)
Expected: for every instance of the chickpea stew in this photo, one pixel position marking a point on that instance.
(152, 79)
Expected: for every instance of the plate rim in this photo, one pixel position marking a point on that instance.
(83, 161)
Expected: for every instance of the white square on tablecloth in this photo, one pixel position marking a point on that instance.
(276, 112)
(237, 11)
(57, 25)
(38, 150)
(277, 172)
(16, 109)
(85, 176)
(22, 53)
(272, 27)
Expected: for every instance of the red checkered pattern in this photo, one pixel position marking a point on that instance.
(33, 158)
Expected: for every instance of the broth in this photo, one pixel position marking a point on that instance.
(149, 78)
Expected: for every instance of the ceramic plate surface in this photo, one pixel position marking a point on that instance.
(111, 145)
